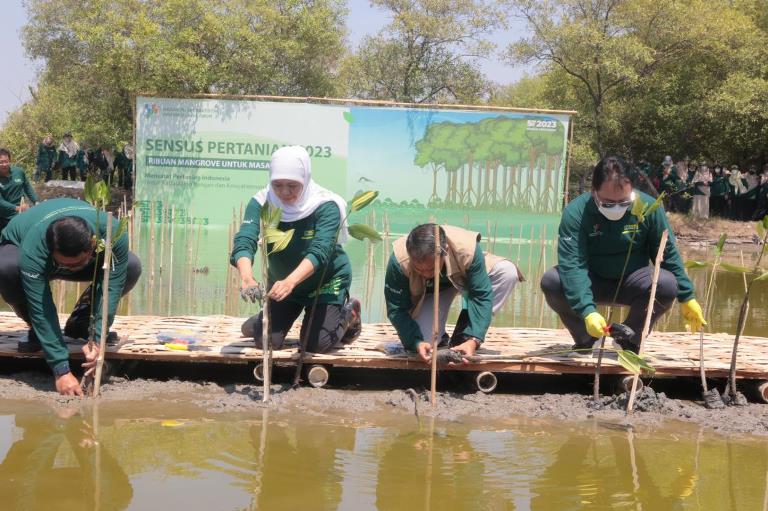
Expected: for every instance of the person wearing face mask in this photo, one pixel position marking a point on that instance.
(484, 280)
(313, 253)
(55, 240)
(46, 159)
(702, 181)
(595, 233)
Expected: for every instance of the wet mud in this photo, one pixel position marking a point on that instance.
(217, 390)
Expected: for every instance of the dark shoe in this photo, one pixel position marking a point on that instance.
(79, 321)
(352, 312)
(30, 344)
(626, 345)
(584, 348)
(462, 322)
(253, 326)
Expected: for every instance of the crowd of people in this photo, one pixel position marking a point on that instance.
(75, 162)
(703, 190)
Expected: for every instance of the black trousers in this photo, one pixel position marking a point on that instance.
(10, 278)
(634, 292)
(69, 173)
(328, 325)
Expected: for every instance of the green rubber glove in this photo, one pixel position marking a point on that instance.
(595, 323)
(694, 316)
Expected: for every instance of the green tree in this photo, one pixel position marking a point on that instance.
(97, 54)
(428, 53)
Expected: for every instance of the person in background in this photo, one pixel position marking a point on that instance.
(84, 161)
(69, 152)
(761, 207)
(737, 189)
(124, 166)
(313, 263)
(673, 188)
(46, 159)
(485, 281)
(718, 198)
(702, 181)
(596, 231)
(14, 185)
(104, 160)
(57, 239)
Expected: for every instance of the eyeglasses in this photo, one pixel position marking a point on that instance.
(610, 205)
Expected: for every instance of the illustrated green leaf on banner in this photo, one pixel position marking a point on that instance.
(362, 231)
(349, 117)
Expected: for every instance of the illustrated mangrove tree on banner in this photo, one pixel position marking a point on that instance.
(496, 163)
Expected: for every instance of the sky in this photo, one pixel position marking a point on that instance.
(20, 73)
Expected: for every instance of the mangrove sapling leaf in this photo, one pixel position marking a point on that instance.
(271, 215)
(634, 363)
(89, 192)
(362, 199)
(122, 227)
(720, 244)
(760, 229)
(273, 235)
(765, 222)
(654, 206)
(362, 232)
(733, 268)
(283, 242)
(638, 209)
(762, 277)
(697, 264)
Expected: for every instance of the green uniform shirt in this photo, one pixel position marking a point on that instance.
(65, 161)
(312, 240)
(590, 243)
(12, 188)
(672, 184)
(719, 186)
(478, 296)
(37, 268)
(46, 157)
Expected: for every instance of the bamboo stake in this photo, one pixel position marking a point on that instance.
(104, 307)
(541, 270)
(648, 313)
(435, 319)
(195, 266)
(170, 262)
(265, 327)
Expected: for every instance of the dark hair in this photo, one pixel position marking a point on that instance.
(4, 151)
(70, 236)
(610, 168)
(420, 243)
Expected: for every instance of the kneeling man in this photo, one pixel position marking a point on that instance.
(485, 282)
(57, 240)
(596, 231)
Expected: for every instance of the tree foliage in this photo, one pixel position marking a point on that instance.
(97, 54)
(428, 53)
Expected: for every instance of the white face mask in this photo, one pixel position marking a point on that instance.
(616, 212)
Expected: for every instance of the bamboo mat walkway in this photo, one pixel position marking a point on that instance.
(218, 339)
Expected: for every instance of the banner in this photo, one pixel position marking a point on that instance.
(208, 157)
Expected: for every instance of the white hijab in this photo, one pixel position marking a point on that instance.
(70, 148)
(293, 163)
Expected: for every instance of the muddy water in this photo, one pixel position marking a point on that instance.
(161, 456)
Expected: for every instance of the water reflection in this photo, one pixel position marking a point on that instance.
(56, 463)
(271, 460)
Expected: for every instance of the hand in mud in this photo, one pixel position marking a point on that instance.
(425, 351)
(67, 385)
(252, 293)
(91, 353)
(468, 348)
(281, 289)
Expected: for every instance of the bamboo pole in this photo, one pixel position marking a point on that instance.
(541, 270)
(435, 319)
(265, 326)
(648, 313)
(170, 262)
(104, 307)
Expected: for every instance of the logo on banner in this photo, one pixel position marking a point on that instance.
(151, 109)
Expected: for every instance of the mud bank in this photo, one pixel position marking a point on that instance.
(226, 397)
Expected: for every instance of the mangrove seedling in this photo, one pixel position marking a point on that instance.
(358, 231)
(711, 397)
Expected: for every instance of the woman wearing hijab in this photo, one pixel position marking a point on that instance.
(69, 150)
(295, 273)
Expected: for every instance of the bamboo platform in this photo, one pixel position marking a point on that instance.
(519, 350)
